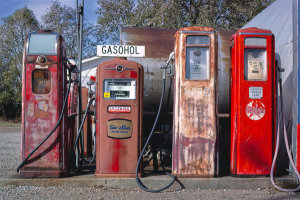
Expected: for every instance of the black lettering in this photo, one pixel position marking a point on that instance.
(120, 50)
(104, 49)
(131, 50)
(109, 50)
(136, 51)
(115, 50)
(126, 50)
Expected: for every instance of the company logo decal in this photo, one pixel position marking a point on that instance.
(119, 128)
(255, 110)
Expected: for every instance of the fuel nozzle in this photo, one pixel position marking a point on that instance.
(92, 81)
(71, 65)
(164, 67)
(278, 65)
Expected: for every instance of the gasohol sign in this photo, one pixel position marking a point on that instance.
(121, 50)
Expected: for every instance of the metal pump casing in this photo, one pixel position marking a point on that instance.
(119, 103)
(253, 102)
(195, 102)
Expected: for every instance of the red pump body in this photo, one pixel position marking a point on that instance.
(43, 90)
(119, 117)
(253, 101)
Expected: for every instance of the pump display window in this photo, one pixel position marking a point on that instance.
(255, 60)
(41, 81)
(197, 58)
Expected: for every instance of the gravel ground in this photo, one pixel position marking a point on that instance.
(10, 139)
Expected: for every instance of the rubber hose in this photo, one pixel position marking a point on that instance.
(81, 125)
(287, 149)
(138, 181)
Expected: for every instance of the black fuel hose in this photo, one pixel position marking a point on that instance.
(138, 181)
(57, 124)
(80, 128)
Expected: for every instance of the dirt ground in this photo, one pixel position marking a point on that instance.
(10, 138)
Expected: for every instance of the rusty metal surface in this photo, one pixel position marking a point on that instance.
(159, 42)
(40, 114)
(118, 157)
(194, 123)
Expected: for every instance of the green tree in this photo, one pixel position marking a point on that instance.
(218, 14)
(62, 19)
(13, 31)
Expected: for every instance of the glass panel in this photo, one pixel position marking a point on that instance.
(197, 63)
(256, 42)
(255, 64)
(42, 44)
(197, 39)
(41, 81)
(119, 89)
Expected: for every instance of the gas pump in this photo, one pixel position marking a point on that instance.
(195, 99)
(119, 103)
(253, 102)
(44, 113)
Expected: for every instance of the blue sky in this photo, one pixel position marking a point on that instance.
(7, 7)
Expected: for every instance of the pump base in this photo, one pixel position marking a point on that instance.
(117, 175)
(249, 175)
(194, 176)
(42, 173)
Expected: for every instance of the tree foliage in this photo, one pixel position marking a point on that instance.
(13, 32)
(218, 14)
(62, 19)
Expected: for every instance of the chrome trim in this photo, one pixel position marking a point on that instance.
(243, 33)
(206, 32)
(118, 71)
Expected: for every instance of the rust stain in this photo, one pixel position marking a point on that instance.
(159, 42)
(195, 122)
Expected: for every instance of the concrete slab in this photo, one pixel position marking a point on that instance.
(151, 182)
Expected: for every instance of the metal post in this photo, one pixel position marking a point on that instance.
(79, 61)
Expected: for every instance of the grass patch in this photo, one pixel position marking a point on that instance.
(10, 123)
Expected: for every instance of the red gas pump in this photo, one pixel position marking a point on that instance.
(253, 101)
(119, 116)
(44, 95)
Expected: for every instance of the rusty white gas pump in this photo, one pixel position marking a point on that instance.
(119, 102)
(45, 142)
(253, 102)
(195, 99)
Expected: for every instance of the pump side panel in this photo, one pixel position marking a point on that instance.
(40, 117)
(195, 127)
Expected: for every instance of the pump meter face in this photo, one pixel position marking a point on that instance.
(197, 57)
(255, 59)
(120, 89)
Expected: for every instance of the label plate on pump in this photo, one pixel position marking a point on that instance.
(119, 109)
(119, 128)
(255, 92)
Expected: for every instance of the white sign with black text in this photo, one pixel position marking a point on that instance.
(121, 50)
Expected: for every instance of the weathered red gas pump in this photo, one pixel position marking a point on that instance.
(253, 101)
(119, 116)
(195, 101)
(43, 93)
